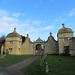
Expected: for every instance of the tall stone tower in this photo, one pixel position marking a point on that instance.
(13, 43)
(64, 34)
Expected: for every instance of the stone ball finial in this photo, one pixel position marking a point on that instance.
(38, 37)
(63, 24)
(27, 35)
(15, 29)
(50, 34)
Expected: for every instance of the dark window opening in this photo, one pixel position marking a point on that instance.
(10, 49)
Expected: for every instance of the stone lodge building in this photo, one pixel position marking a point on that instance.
(65, 44)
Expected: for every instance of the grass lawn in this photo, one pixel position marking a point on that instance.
(12, 59)
(58, 65)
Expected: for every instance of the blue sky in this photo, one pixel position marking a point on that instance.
(36, 17)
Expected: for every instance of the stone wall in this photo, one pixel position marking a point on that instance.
(62, 42)
(16, 45)
(27, 47)
(51, 46)
(72, 46)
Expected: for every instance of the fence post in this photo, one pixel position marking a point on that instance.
(47, 68)
(40, 62)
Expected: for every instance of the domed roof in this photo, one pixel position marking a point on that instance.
(14, 34)
(65, 30)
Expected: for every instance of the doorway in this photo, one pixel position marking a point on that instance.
(66, 50)
(39, 49)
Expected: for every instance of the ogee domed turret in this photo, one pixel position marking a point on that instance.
(14, 34)
(65, 30)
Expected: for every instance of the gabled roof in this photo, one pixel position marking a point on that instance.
(51, 38)
(39, 40)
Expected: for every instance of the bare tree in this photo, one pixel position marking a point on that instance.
(2, 40)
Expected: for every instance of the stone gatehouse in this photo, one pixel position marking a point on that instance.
(65, 43)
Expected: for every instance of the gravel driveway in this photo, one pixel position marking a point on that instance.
(15, 69)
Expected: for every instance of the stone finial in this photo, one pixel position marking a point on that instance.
(50, 34)
(15, 29)
(63, 24)
(27, 35)
(38, 37)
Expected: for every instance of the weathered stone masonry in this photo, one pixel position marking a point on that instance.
(65, 43)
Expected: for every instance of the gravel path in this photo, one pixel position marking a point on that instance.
(2, 56)
(15, 69)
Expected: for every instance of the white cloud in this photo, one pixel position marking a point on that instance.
(55, 36)
(7, 19)
(5, 23)
(36, 22)
(27, 21)
(63, 20)
(48, 28)
(60, 20)
(4, 13)
(17, 14)
(72, 12)
(8, 23)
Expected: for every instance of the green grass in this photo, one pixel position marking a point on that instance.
(12, 59)
(58, 65)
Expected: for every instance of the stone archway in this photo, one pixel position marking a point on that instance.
(40, 49)
(41, 44)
